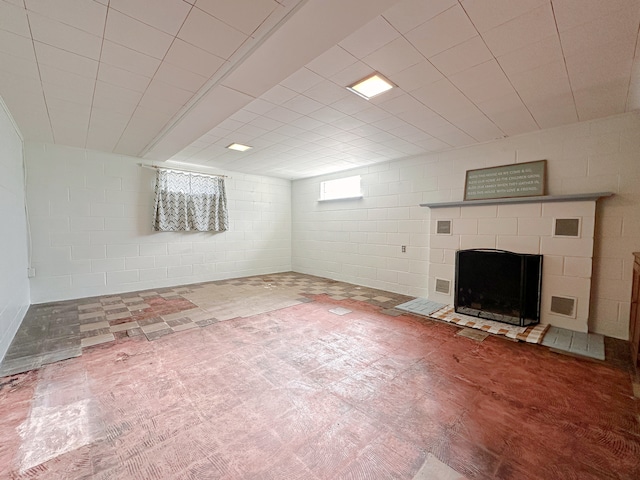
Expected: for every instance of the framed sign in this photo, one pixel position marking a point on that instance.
(506, 181)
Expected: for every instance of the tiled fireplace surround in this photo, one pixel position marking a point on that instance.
(525, 227)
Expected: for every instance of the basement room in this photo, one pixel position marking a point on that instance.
(320, 239)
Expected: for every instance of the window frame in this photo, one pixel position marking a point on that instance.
(350, 194)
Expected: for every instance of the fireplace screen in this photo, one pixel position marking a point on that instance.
(498, 285)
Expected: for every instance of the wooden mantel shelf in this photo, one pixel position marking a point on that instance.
(504, 201)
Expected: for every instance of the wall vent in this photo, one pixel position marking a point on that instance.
(443, 286)
(443, 227)
(566, 227)
(565, 306)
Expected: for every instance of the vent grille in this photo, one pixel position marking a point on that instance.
(443, 227)
(443, 286)
(563, 306)
(567, 227)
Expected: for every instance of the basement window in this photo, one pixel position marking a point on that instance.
(341, 188)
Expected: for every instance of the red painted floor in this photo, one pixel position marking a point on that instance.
(303, 393)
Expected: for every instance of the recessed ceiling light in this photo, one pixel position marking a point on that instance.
(239, 147)
(371, 86)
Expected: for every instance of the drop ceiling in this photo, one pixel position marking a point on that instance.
(180, 80)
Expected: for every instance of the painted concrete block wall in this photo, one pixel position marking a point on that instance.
(522, 228)
(14, 284)
(91, 228)
(359, 240)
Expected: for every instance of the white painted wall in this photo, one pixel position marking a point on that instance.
(359, 241)
(14, 285)
(91, 228)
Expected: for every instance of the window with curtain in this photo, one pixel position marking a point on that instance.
(189, 201)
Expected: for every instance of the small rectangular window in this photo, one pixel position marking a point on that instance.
(348, 187)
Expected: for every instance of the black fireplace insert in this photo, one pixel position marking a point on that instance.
(498, 285)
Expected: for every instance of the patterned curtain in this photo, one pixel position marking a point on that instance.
(189, 201)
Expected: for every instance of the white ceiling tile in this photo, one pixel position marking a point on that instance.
(244, 116)
(352, 74)
(394, 57)
(178, 77)
(348, 123)
(331, 62)
(427, 112)
(509, 114)
(389, 123)
(282, 114)
(488, 14)
(243, 15)
(532, 55)
(308, 123)
(399, 104)
(618, 28)
(461, 57)
(193, 59)
(601, 100)
(136, 35)
(61, 92)
(260, 106)
(19, 85)
(29, 111)
(372, 114)
(116, 99)
(408, 14)
(87, 16)
(442, 32)
(19, 66)
(614, 75)
(16, 45)
(123, 78)
(454, 137)
(572, 13)
(66, 37)
(483, 82)
(553, 110)
(328, 93)
(71, 62)
(421, 118)
(302, 104)
(278, 95)
(165, 15)
(416, 76)
(446, 100)
(166, 106)
(127, 59)
(546, 79)
(67, 79)
(161, 90)
(105, 129)
(531, 27)
(13, 18)
(369, 38)
(210, 34)
(301, 80)
(327, 115)
(350, 104)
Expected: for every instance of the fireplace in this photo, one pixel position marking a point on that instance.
(498, 285)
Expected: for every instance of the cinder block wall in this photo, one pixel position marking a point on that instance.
(360, 241)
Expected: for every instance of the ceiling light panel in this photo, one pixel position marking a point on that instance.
(239, 147)
(371, 86)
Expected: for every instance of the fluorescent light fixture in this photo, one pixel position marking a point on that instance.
(371, 86)
(239, 147)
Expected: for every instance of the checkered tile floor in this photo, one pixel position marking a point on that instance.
(56, 331)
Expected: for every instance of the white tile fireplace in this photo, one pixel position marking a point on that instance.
(561, 228)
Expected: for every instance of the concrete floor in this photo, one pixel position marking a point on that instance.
(333, 386)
